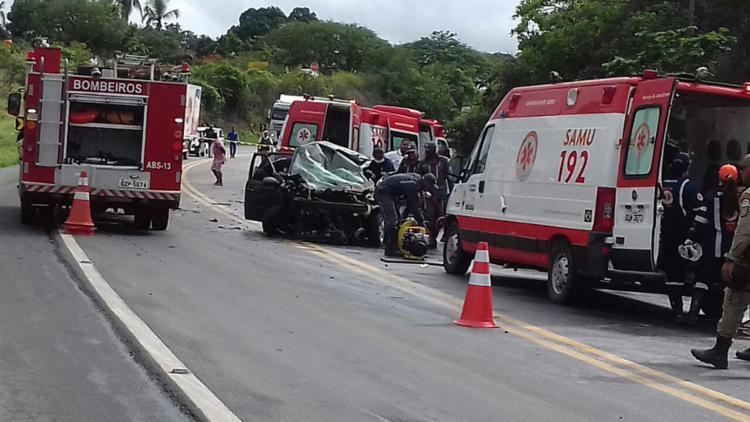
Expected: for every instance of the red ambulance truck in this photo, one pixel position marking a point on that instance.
(348, 124)
(567, 178)
(127, 133)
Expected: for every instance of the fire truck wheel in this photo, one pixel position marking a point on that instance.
(160, 219)
(562, 282)
(46, 216)
(142, 219)
(455, 259)
(28, 213)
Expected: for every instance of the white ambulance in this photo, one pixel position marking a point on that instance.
(566, 178)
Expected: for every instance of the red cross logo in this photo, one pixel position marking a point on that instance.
(527, 153)
(304, 135)
(526, 156)
(642, 138)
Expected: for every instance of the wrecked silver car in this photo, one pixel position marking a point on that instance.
(319, 194)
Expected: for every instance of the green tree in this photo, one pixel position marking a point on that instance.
(95, 23)
(302, 14)
(127, 7)
(255, 23)
(333, 45)
(156, 12)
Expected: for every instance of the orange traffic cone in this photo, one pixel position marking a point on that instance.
(79, 221)
(477, 312)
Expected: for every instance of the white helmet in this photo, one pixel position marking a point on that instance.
(690, 251)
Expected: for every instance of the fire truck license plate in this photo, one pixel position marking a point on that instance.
(127, 183)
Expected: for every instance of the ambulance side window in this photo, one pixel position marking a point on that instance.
(642, 144)
(484, 149)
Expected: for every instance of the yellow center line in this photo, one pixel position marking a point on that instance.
(659, 381)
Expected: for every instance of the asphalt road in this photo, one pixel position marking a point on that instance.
(60, 359)
(281, 331)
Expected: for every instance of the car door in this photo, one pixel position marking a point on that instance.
(638, 210)
(259, 197)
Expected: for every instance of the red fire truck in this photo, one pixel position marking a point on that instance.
(123, 125)
(361, 129)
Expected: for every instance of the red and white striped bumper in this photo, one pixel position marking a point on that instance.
(153, 195)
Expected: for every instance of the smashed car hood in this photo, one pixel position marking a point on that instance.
(327, 166)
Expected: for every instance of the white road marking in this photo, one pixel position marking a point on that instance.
(183, 383)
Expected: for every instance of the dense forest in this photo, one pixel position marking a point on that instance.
(265, 52)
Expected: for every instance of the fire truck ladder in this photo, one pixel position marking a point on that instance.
(131, 61)
(51, 105)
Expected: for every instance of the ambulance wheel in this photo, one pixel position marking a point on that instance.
(455, 259)
(160, 219)
(142, 219)
(562, 282)
(28, 213)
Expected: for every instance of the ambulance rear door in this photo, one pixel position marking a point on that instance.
(638, 210)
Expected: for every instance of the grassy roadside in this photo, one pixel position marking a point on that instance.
(8, 147)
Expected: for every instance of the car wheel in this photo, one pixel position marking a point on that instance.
(455, 259)
(270, 221)
(563, 284)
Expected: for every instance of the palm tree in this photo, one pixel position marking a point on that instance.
(3, 20)
(127, 6)
(155, 13)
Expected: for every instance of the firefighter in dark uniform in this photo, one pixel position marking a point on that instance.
(410, 162)
(396, 188)
(735, 273)
(434, 206)
(713, 230)
(681, 201)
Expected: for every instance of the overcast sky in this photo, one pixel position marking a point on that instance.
(483, 24)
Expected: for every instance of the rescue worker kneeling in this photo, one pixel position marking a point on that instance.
(681, 201)
(735, 273)
(712, 233)
(404, 187)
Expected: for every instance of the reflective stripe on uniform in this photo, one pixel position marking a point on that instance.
(701, 286)
(675, 283)
(702, 220)
(717, 226)
(682, 191)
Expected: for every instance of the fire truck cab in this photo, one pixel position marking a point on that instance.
(566, 178)
(121, 124)
(348, 124)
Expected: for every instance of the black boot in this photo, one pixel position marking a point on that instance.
(696, 303)
(717, 355)
(743, 354)
(675, 301)
(391, 249)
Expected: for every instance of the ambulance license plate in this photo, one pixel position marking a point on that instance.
(128, 183)
(633, 217)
